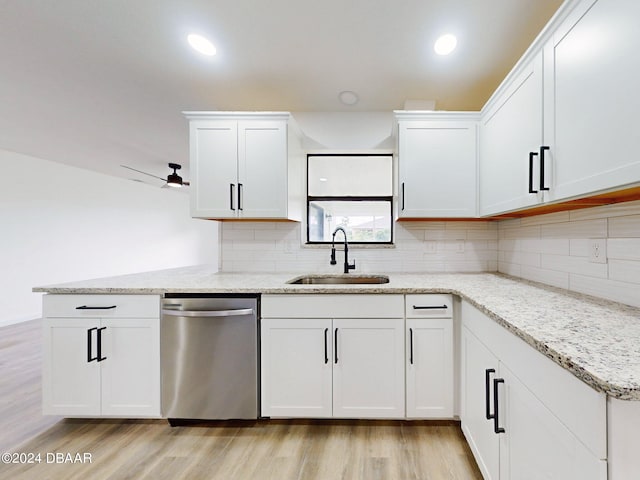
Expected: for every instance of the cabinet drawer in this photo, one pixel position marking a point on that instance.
(429, 306)
(332, 306)
(102, 306)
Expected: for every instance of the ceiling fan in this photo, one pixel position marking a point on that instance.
(173, 179)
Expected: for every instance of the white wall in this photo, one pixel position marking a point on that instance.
(553, 249)
(60, 223)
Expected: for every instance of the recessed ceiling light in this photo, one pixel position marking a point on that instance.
(322, 179)
(348, 97)
(445, 44)
(201, 44)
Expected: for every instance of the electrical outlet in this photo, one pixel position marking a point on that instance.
(430, 246)
(598, 250)
(460, 246)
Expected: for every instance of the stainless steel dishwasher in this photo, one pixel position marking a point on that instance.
(209, 357)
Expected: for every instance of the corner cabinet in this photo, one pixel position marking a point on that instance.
(245, 165)
(344, 360)
(437, 162)
(523, 415)
(101, 355)
(592, 73)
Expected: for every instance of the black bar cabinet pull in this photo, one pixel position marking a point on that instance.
(85, 307)
(335, 346)
(239, 196)
(411, 346)
(429, 307)
(90, 358)
(542, 150)
(487, 392)
(531, 155)
(402, 195)
(232, 188)
(326, 346)
(100, 357)
(496, 422)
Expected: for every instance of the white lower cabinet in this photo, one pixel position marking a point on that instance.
(429, 362)
(348, 368)
(332, 366)
(296, 367)
(97, 360)
(525, 418)
(535, 444)
(368, 368)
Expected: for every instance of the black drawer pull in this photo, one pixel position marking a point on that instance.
(487, 392)
(496, 422)
(428, 307)
(543, 149)
(85, 307)
(531, 155)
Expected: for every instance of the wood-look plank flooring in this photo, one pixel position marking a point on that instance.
(262, 449)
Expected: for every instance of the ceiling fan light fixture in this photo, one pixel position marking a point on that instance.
(173, 179)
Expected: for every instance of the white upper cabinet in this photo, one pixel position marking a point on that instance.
(592, 73)
(437, 157)
(245, 165)
(510, 139)
(562, 125)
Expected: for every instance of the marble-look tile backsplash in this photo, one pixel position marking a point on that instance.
(554, 249)
(419, 247)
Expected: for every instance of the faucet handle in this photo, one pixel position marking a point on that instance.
(351, 266)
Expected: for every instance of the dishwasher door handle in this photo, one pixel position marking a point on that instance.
(208, 313)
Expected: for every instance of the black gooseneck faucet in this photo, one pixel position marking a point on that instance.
(347, 267)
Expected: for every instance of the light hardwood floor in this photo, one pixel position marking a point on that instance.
(263, 449)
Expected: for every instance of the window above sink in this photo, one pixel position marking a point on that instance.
(352, 191)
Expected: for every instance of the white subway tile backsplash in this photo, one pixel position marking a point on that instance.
(623, 227)
(625, 271)
(623, 248)
(550, 277)
(551, 249)
(420, 246)
(624, 292)
(580, 265)
(581, 229)
(563, 245)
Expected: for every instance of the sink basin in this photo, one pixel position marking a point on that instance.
(339, 280)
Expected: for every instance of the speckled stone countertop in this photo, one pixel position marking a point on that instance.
(597, 340)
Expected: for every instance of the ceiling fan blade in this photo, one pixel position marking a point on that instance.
(144, 173)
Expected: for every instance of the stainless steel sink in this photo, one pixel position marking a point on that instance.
(339, 280)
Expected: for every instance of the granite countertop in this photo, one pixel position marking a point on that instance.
(597, 340)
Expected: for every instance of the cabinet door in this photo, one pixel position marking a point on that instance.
(592, 73)
(214, 169)
(262, 169)
(430, 368)
(477, 362)
(437, 162)
(535, 444)
(131, 369)
(296, 365)
(70, 382)
(510, 130)
(368, 368)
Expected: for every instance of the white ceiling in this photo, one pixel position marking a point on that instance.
(102, 83)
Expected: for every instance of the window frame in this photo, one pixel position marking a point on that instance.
(348, 198)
